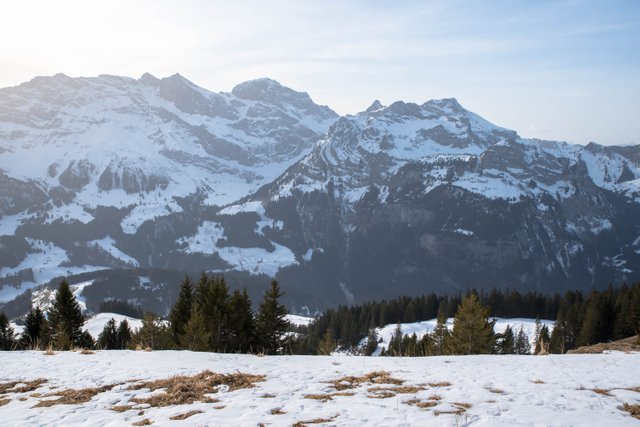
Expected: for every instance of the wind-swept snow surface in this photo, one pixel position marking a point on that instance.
(451, 391)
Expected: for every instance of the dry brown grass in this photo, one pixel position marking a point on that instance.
(268, 396)
(186, 415)
(49, 351)
(21, 386)
(424, 404)
(537, 381)
(121, 408)
(376, 377)
(315, 421)
(181, 389)
(324, 397)
(636, 389)
(145, 422)
(602, 391)
(87, 351)
(462, 405)
(4, 401)
(496, 390)
(23, 399)
(277, 411)
(72, 396)
(625, 345)
(390, 391)
(633, 410)
(439, 384)
(435, 397)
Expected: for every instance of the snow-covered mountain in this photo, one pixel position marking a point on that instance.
(141, 177)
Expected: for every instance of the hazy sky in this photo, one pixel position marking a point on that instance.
(566, 70)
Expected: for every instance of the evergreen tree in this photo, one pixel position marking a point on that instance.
(372, 342)
(65, 318)
(441, 332)
(196, 335)
(86, 340)
(7, 341)
(212, 298)
(522, 345)
(36, 330)
(634, 310)
(123, 337)
(181, 310)
(148, 335)
(472, 330)
(395, 343)
(507, 341)
(542, 341)
(108, 338)
(271, 323)
(327, 345)
(242, 328)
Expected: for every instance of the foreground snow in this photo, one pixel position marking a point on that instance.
(483, 390)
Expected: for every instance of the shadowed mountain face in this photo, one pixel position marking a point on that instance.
(111, 173)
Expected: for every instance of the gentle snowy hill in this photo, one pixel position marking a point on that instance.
(578, 390)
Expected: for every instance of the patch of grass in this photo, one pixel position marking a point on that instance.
(424, 404)
(121, 408)
(87, 351)
(22, 399)
(72, 396)
(277, 411)
(315, 421)
(537, 381)
(375, 377)
(390, 391)
(496, 390)
(145, 422)
(462, 405)
(435, 397)
(183, 390)
(186, 415)
(636, 389)
(324, 397)
(633, 410)
(21, 386)
(439, 384)
(602, 391)
(49, 351)
(268, 396)
(4, 401)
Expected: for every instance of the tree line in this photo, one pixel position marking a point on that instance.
(205, 317)
(580, 319)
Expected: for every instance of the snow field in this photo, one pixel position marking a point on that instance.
(454, 390)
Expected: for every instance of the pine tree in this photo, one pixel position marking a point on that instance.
(327, 345)
(123, 337)
(395, 343)
(271, 323)
(507, 342)
(542, 341)
(196, 335)
(7, 341)
(108, 338)
(634, 310)
(65, 318)
(372, 342)
(441, 332)
(148, 335)
(181, 310)
(36, 330)
(472, 330)
(242, 328)
(86, 340)
(522, 345)
(212, 298)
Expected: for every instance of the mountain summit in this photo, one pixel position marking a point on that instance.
(116, 176)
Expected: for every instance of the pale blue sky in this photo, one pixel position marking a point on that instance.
(565, 70)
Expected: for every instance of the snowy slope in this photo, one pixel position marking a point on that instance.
(465, 390)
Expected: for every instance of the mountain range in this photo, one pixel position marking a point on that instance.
(125, 185)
